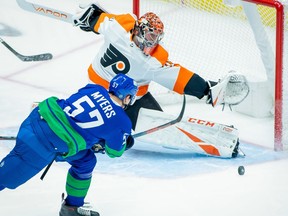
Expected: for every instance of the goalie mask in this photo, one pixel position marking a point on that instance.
(147, 32)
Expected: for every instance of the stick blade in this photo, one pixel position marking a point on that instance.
(40, 57)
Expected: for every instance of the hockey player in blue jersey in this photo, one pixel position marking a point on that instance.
(72, 130)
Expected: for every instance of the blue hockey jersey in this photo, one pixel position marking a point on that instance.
(86, 118)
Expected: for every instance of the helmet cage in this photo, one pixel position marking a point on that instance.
(148, 36)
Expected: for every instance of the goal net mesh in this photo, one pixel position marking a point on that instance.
(212, 37)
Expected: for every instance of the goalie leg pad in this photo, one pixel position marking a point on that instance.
(191, 134)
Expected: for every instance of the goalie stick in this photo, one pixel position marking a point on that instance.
(151, 130)
(170, 123)
(45, 11)
(40, 57)
(49, 12)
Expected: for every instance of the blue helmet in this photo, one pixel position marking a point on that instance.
(121, 86)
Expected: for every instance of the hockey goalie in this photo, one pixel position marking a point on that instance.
(135, 47)
(198, 135)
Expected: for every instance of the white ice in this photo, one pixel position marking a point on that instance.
(146, 180)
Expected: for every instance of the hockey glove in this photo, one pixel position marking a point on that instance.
(129, 142)
(87, 19)
(99, 147)
(231, 90)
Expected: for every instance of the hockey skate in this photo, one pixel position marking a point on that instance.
(237, 152)
(77, 211)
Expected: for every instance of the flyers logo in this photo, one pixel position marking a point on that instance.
(118, 62)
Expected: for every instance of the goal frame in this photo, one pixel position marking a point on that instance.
(278, 109)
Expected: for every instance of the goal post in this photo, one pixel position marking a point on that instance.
(212, 37)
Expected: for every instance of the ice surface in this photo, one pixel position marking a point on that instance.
(147, 180)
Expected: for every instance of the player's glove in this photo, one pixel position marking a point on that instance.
(231, 90)
(99, 147)
(129, 142)
(87, 19)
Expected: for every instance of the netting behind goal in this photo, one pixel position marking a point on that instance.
(212, 37)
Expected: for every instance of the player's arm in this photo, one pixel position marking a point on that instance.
(116, 146)
(176, 77)
(191, 84)
(101, 146)
(231, 89)
(181, 80)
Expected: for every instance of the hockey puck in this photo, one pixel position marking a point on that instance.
(241, 170)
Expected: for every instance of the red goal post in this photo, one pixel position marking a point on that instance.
(259, 51)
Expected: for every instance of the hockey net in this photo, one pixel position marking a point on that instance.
(212, 37)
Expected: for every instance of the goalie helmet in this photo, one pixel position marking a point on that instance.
(121, 86)
(148, 31)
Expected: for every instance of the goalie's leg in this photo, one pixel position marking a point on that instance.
(147, 101)
(191, 134)
(238, 151)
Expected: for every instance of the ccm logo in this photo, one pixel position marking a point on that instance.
(53, 13)
(227, 129)
(201, 122)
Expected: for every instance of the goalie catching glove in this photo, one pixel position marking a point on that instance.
(231, 90)
(88, 17)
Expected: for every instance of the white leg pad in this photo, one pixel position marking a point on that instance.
(194, 135)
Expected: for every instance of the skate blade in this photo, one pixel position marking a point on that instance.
(241, 153)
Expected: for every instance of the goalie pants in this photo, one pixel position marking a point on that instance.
(36, 147)
(147, 101)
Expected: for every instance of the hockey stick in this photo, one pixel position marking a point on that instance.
(40, 57)
(50, 12)
(160, 127)
(45, 11)
(7, 138)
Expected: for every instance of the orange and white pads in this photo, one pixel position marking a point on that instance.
(191, 134)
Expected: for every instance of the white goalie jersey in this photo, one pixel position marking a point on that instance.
(119, 54)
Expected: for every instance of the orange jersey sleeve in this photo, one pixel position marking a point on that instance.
(183, 78)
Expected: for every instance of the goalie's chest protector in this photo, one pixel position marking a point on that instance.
(119, 54)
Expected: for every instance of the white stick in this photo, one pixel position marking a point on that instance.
(50, 12)
(45, 11)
